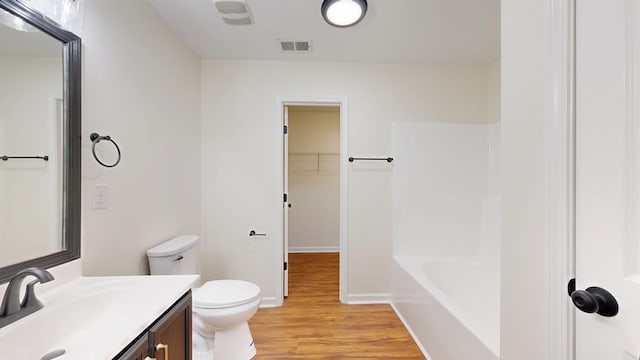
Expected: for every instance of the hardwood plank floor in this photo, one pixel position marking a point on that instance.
(313, 324)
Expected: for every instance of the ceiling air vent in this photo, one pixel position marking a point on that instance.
(295, 45)
(234, 12)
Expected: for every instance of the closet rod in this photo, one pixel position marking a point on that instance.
(5, 157)
(389, 159)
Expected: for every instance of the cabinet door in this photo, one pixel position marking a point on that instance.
(172, 332)
(137, 351)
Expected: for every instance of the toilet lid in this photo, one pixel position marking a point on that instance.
(225, 293)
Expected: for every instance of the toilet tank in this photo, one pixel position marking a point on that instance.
(174, 257)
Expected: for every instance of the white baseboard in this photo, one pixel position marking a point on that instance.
(314, 249)
(269, 302)
(377, 298)
(352, 299)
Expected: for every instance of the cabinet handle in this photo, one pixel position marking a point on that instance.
(164, 347)
(159, 347)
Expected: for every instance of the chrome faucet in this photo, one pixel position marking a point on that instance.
(12, 308)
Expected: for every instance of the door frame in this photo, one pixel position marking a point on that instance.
(342, 103)
(562, 162)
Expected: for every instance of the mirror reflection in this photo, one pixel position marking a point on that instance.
(31, 130)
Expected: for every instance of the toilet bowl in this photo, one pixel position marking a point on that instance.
(221, 309)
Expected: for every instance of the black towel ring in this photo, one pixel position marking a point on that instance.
(96, 138)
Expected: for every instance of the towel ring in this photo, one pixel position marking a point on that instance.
(96, 138)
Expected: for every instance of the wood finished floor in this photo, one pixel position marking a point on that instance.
(313, 324)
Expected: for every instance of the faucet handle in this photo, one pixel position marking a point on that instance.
(30, 300)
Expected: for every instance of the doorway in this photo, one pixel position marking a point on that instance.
(314, 181)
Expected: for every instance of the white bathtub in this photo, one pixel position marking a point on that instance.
(450, 305)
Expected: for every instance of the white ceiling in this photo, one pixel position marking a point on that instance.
(393, 31)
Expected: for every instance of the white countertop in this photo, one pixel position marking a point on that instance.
(92, 317)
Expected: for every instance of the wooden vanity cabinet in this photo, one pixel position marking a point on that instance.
(172, 329)
(138, 350)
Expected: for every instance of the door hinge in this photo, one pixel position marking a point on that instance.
(286, 129)
(285, 197)
(286, 266)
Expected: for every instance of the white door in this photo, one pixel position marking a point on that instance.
(607, 181)
(285, 204)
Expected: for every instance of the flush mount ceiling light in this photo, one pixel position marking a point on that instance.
(343, 13)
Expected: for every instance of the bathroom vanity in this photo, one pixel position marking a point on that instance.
(119, 317)
(168, 337)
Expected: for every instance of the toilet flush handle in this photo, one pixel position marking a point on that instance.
(180, 257)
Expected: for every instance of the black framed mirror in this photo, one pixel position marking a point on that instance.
(67, 189)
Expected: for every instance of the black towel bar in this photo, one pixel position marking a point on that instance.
(5, 157)
(389, 159)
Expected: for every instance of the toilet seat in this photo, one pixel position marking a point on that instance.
(219, 294)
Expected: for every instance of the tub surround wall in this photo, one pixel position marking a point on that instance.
(440, 189)
(141, 85)
(446, 236)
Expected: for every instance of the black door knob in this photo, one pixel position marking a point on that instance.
(595, 300)
(289, 205)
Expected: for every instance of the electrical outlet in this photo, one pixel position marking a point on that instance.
(100, 196)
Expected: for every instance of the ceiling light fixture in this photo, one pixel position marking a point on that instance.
(343, 13)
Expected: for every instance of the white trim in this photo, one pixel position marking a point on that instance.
(344, 203)
(278, 300)
(373, 298)
(632, 134)
(314, 249)
(410, 330)
(562, 179)
(269, 302)
(344, 183)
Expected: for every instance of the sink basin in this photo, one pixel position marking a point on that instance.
(91, 317)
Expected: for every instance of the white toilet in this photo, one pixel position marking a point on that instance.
(221, 308)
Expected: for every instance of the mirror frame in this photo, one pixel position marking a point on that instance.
(71, 177)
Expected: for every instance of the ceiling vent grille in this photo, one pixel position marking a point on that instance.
(295, 45)
(234, 12)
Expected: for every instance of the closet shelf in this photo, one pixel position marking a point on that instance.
(308, 163)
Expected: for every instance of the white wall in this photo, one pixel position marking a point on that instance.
(314, 179)
(239, 137)
(493, 202)
(28, 198)
(525, 189)
(141, 85)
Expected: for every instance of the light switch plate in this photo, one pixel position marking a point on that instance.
(100, 196)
